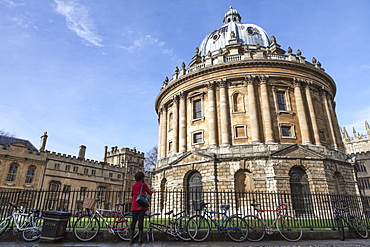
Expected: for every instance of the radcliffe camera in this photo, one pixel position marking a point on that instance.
(248, 142)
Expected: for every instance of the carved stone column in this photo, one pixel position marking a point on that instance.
(312, 115)
(329, 117)
(182, 122)
(340, 143)
(225, 120)
(305, 134)
(212, 117)
(176, 124)
(160, 120)
(164, 132)
(254, 126)
(338, 138)
(266, 111)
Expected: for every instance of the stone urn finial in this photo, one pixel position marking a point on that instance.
(290, 50)
(273, 39)
(232, 34)
(196, 51)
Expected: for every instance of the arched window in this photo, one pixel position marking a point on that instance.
(238, 102)
(54, 185)
(52, 196)
(12, 172)
(195, 191)
(170, 121)
(243, 183)
(340, 187)
(163, 200)
(300, 189)
(30, 174)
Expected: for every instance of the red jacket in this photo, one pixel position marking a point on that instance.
(135, 193)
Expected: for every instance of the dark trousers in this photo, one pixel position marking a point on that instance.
(138, 216)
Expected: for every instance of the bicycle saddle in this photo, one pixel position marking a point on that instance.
(225, 207)
(168, 213)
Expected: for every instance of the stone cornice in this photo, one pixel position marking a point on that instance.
(253, 67)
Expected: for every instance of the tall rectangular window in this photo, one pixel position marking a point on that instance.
(83, 191)
(66, 188)
(197, 109)
(30, 174)
(285, 131)
(198, 137)
(68, 168)
(281, 101)
(240, 132)
(12, 173)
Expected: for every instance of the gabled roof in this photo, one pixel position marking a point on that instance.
(6, 141)
(191, 157)
(297, 151)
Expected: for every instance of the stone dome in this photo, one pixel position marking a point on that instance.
(245, 34)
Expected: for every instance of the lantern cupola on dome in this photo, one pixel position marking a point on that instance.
(245, 34)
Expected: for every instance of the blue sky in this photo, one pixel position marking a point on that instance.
(88, 71)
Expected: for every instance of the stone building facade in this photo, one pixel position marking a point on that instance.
(358, 148)
(246, 115)
(26, 167)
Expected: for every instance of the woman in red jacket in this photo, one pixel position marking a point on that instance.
(138, 211)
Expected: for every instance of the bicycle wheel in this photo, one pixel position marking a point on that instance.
(340, 227)
(198, 228)
(34, 230)
(360, 227)
(122, 228)
(4, 225)
(180, 228)
(86, 228)
(256, 228)
(237, 228)
(289, 228)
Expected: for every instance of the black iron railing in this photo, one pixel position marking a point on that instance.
(310, 209)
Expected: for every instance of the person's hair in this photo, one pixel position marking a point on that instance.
(139, 176)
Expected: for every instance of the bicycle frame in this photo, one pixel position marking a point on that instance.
(117, 215)
(221, 227)
(21, 219)
(278, 211)
(169, 229)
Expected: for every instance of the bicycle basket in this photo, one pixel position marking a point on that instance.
(89, 203)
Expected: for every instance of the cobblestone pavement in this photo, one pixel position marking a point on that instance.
(302, 243)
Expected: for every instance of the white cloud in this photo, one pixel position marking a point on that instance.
(141, 42)
(22, 21)
(10, 3)
(78, 20)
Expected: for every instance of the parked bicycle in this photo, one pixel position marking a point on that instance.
(234, 226)
(286, 225)
(87, 227)
(175, 228)
(343, 217)
(30, 224)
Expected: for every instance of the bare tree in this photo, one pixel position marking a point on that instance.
(150, 158)
(7, 134)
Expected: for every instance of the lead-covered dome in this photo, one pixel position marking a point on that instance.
(245, 34)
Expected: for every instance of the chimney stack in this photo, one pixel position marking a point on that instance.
(105, 154)
(43, 140)
(81, 153)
